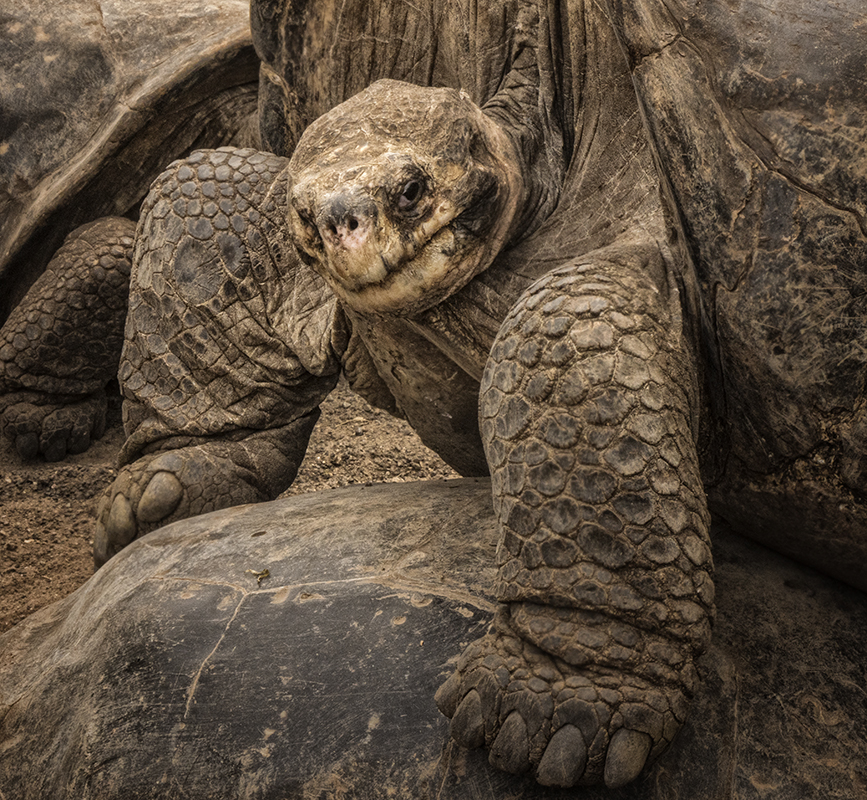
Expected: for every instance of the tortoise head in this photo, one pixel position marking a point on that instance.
(401, 195)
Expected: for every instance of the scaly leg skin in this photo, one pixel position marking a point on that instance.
(61, 345)
(605, 571)
(228, 349)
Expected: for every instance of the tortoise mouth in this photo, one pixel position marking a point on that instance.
(427, 253)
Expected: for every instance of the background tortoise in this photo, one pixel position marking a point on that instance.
(608, 359)
(95, 99)
(758, 119)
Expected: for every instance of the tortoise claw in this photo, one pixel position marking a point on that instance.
(448, 696)
(55, 429)
(564, 759)
(510, 751)
(27, 445)
(627, 753)
(160, 497)
(468, 725)
(567, 724)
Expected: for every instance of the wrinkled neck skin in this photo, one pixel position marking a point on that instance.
(537, 192)
(517, 185)
(525, 112)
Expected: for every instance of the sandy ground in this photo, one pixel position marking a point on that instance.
(47, 510)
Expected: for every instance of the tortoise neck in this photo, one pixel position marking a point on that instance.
(526, 110)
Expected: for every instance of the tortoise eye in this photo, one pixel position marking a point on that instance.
(409, 195)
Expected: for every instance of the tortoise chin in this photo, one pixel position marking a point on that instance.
(399, 214)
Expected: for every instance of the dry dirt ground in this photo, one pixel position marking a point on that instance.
(47, 510)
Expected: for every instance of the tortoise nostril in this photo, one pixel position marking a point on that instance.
(344, 217)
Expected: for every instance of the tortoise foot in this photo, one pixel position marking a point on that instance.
(54, 429)
(568, 724)
(162, 487)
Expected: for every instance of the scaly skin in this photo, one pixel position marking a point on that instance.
(221, 378)
(605, 571)
(61, 344)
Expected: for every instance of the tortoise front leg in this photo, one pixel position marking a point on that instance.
(605, 572)
(228, 349)
(61, 344)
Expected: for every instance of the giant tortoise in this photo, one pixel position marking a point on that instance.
(95, 98)
(611, 253)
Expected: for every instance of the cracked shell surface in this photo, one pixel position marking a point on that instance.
(763, 152)
(319, 678)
